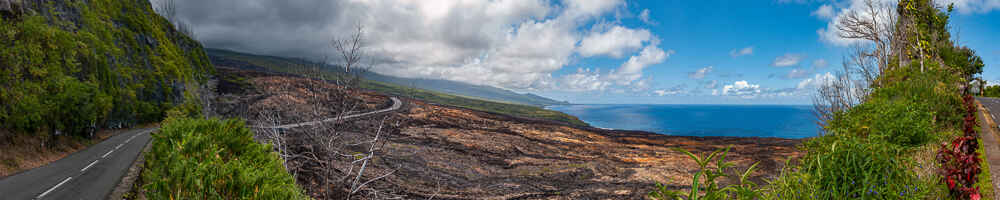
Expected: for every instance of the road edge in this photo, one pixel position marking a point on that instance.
(127, 183)
(989, 137)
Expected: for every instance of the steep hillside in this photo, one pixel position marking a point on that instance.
(446, 86)
(72, 66)
(299, 67)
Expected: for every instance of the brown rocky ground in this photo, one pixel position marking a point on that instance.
(453, 153)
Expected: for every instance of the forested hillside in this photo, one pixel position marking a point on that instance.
(73, 66)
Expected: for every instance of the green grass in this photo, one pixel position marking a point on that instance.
(214, 159)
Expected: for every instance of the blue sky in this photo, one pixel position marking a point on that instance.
(705, 33)
(583, 51)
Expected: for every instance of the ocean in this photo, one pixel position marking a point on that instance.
(782, 121)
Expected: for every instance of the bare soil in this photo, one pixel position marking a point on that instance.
(443, 152)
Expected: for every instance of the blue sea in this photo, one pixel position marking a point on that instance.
(783, 121)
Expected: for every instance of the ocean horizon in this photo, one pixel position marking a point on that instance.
(781, 121)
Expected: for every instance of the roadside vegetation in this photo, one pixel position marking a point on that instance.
(70, 71)
(898, 122)
(991, 91)
(195, 158)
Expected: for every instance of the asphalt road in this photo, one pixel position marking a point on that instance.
(991, 140)
(992, 104)
(396, 104)
(91, 173)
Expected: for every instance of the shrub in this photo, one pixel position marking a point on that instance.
(213, 159)
(960, 162)
(705, 181)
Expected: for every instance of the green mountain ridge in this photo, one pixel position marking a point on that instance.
(446, 86)
(302, 67)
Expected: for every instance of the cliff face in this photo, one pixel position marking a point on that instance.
(71, 65)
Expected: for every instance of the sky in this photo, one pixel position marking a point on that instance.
(582, 51)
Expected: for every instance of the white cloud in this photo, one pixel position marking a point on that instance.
(741, 88)
(672, 91)
(741, 52)
(831, 34)
(627, 77)
(819, 63)
(644, 17)
(585, 80)
(711, 84)
(797, 74)
(815, 82)
(786, 60)
(700, 73)
(971, 6)
(513, 44)
(631, 70)
(824, 12)
(614, 42)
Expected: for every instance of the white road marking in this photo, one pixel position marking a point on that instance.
(53, 188)
(88, 166)
(106, 154)
(119, 146)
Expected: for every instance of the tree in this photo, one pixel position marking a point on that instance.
(351, 50)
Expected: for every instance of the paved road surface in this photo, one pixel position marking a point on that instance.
(396, 104)
(991, 138)
(88, 174)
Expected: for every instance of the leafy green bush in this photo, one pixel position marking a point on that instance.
(704, 185)
(902, 123)
(214, 159)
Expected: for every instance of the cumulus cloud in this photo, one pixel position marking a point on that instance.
(585, 80)
(631, 70)
(824, 12)
(671, 91)
(819, 63)
(786, 60)
(700, 73)
(797, 74)
(741, 52)
(513, 44)
(971, 6)
(644, 17)
(614, 42)
(710, 84)
(815, 82)
(741, 88)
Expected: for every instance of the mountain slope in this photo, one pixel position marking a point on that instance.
(72, 66)
(446, 86)
(299, 67)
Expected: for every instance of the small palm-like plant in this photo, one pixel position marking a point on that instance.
(705, 180)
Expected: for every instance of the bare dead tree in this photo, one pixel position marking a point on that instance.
(168, 9)
(876, 27)
(838, 95)
(351, 50)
